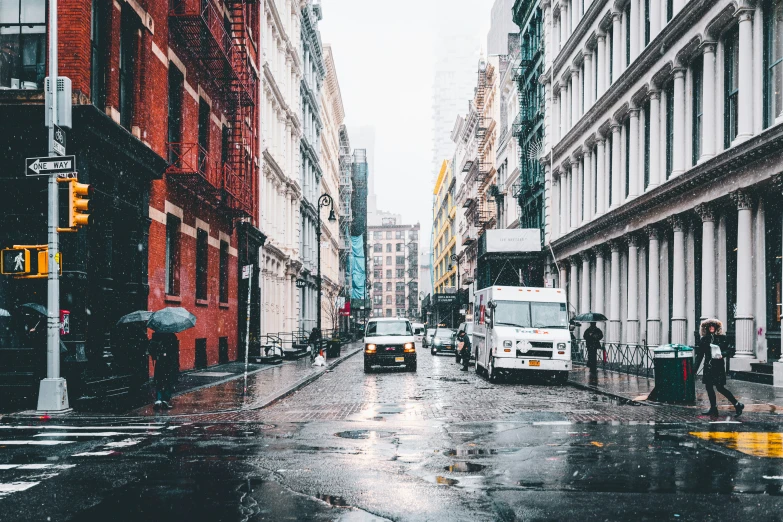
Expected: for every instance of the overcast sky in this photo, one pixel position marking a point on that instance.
(383, 52)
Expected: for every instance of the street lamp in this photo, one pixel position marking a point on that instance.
(324, 201)
(456, 259)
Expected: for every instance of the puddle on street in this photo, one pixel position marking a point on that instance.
(464, 467)
(758, 444)
(536, 486)
(469, 452)
(364, 434)
(446, 481)
(334, 501)
(616, 401)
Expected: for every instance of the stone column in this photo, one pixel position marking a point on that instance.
(708, 145)
(678, 145)
(617, 163)
(600, 60)
(708, 265)
(563, 192)
(565, 110)
(655, 137)
(617, 46)
(679, 320)
(562, 274)
(588, 189)
(555, 118)
(632, 334)
(614, 293)
(655, 18)
(573, 283)
(578, 201)
(635, 28)
(600, 177)
(600, 290)
(575, 98)
(745, 109)
(584, 294)
(588, 79)
(548, 102)
(633, 153)
(744, 326)
(653, 288)
(572, 205)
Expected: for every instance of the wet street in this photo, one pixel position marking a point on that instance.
(439, 444)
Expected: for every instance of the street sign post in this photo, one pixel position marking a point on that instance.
(50, 165)
(247, 271)
(59, 141)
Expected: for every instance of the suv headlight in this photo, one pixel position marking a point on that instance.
(409, 347)
(561, 346)
(369, 348)
(507, 344)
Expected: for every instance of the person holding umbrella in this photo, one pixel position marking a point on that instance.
(592, 336)
(164, 350)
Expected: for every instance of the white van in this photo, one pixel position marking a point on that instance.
(521, 329)
(418, 333)
(389, 342)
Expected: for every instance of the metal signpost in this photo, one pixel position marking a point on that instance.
(247, 271)
(51, 165)
(53, 392)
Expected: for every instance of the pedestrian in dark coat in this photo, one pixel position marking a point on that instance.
(315, 342)
(592, 337)
(465, 348)
(164, 350)
(714, 376)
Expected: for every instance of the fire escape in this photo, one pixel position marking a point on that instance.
(219, 44)
(483, 212)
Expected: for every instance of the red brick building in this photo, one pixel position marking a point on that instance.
(166, 132)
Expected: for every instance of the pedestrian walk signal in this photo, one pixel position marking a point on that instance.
(15, 261)
(78, 205)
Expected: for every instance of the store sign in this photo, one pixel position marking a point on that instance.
(514, 240)
(445, 298)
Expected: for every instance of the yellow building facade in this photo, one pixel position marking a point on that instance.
(444, 241)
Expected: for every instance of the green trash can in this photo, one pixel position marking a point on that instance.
(674, 379)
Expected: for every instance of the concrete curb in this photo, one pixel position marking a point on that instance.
(595, 389)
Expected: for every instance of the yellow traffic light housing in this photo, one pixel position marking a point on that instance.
(15, 261)
(27, 261)
(78, 205)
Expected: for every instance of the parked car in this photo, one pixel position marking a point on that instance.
(427, 341)
(418, 333)
(389, 342)
(443, 341)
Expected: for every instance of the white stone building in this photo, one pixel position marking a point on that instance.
(663, 155)
(333, 115)
(281, 191)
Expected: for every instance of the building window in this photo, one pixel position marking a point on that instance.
(669, 9)
(388, 311)
(400, 234)
(773, 59)
(378, 260)
(388, 260)
(731, 76)
(669, 90)
(388, 299)
(388, 234)
(377, 235)
(399, 247)
(202, 263)
(388, 286)
(609, 140)
(647, 22)
(400, 260)
(223, 272)
(388, 274)
(646, 144)
(377, 287)
(399, 287)
(128, 43)
(22, 44)
(399, 300)
(388, 247)
(627, 128)
(98, 46)
(377, 274)
(413, 235)
(176, 88)
(628, 35)
(400, 272)
(377, 248)
(173, 226)
(203, 134)
(610, 44)
(698, 109)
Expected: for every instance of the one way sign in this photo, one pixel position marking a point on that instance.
(52, 165)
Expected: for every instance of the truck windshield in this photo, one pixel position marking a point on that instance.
(527, 314)
(378, 328)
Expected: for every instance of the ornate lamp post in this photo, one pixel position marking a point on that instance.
(324, 201)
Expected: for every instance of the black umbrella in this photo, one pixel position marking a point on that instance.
(172, 319)
(35, 307)
(591, 317)
(139, 316)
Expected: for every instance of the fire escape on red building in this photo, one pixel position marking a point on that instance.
(220, 45)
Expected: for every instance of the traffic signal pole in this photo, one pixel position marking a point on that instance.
(53, 392)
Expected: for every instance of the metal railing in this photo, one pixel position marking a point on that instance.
(635, 359)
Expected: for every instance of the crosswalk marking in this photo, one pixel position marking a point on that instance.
(34, 442)
(149, 427)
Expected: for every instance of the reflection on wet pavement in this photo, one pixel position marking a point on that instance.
(464, 467)
(364, 434)
(751, 443)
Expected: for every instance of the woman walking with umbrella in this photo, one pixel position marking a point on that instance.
(713, 348)
(164, 350)
(592, 336)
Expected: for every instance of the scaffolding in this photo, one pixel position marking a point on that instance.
(219, 44)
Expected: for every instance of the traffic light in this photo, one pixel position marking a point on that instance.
(15, 261)
(27, 261)
(78, 205)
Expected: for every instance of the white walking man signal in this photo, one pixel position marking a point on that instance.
(19, 260)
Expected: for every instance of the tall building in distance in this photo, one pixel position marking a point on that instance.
(345, 216)
(310, 170)
(394, 249)
(501, 25)
(359, 286)
(280, 184)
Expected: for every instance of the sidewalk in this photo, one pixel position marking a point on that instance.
(758, 398)
(265, 385)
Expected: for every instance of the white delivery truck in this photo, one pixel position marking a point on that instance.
(521, 329)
